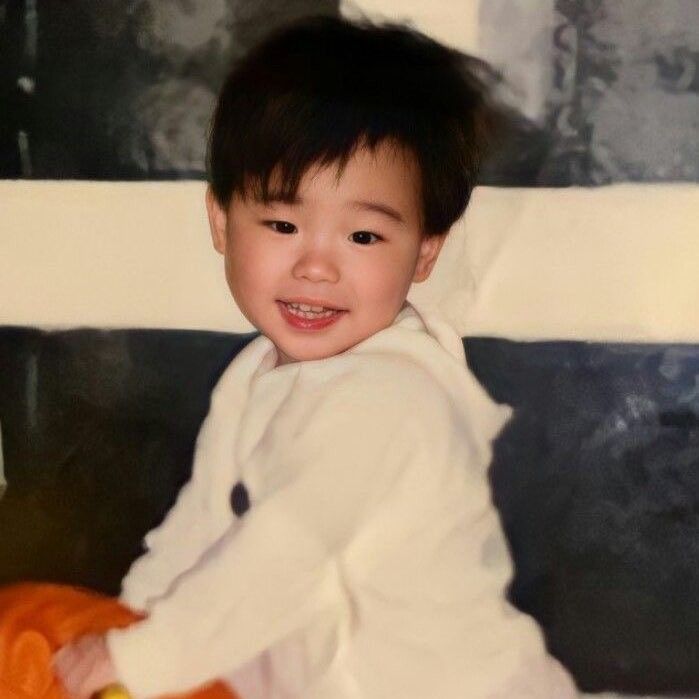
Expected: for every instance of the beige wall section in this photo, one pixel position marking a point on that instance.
(612, 263)
(616, 263)
(110, 254)
(454, 22)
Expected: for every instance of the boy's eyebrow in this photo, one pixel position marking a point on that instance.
(360, 204)
(377, 206)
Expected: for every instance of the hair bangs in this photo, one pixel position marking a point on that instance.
(315, 91)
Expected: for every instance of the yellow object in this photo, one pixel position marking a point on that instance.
(114, 691)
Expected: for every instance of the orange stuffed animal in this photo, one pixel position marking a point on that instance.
(38, 619)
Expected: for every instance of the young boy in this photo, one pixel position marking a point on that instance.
(337, 537)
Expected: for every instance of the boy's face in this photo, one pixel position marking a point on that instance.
(334, 247)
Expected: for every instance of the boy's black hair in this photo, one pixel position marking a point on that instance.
(316, 89)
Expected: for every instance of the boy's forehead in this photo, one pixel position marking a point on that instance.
(384, 156)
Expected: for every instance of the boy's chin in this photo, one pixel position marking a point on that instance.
(303, 351)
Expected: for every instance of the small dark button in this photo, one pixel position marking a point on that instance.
(240, 501)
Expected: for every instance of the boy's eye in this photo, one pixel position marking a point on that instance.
(281, 226)
(364, 235)
(361, 237)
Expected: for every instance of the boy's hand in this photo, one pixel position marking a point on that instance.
(84, 666)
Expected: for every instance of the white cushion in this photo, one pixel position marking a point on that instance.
(612, 263)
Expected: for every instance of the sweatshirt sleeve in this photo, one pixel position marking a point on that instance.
(170, 548)
(177, 542)
(276, 572)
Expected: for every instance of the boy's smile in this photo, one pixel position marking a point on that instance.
(324, 273)
(309, 314)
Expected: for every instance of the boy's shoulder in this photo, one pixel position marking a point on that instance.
(377, 382)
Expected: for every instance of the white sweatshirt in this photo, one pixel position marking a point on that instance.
(370, 563)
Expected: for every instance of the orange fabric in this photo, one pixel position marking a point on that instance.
(38, 619)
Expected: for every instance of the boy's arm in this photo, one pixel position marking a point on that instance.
(170, 548)
(250, 590)
(279, 571)
(177, 542)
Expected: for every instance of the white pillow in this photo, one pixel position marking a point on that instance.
(616, 263)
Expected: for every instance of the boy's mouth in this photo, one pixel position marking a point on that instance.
(306, 320)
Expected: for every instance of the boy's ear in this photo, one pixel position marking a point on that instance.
(218, 218)
(429, 252)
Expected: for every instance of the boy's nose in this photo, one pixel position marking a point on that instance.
(317, 264)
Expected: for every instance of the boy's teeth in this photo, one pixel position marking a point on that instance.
(305, 311)
(305, 307)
